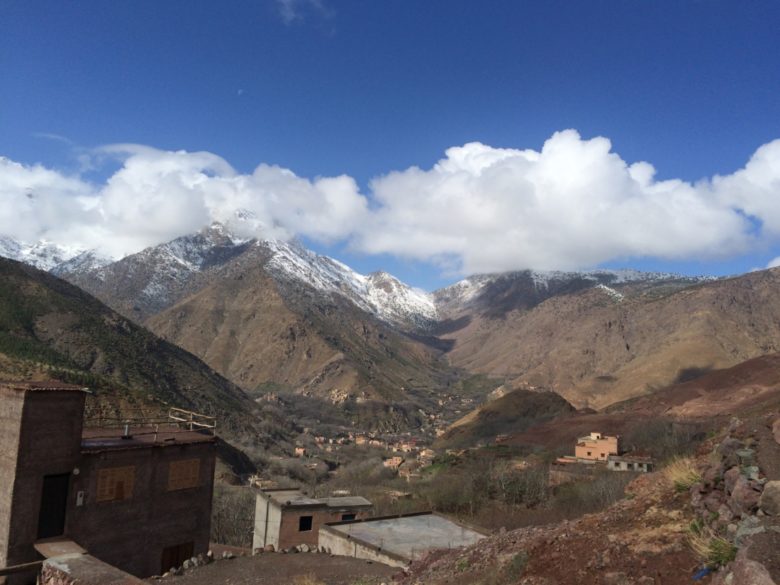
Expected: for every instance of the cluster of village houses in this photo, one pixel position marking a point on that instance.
(137, 499)
(409, 456)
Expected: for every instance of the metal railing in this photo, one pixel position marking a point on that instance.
(138, 422)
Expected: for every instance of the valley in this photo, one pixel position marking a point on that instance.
(458, 400)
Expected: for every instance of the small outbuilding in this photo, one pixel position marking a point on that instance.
(287, 517)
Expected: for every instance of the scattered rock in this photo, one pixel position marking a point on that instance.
(744, 498)
(269, 548)
(730, 478)
(770, 499)
(748, 527)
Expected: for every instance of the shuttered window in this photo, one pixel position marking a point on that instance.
(115, 483)
(183, 474)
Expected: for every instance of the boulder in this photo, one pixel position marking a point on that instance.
(728, 451)
(730, 478)
(770, 499)
(269, 548)
(744, 498)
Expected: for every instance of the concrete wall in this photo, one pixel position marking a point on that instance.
(268, 518)
(338, 544)
(131, 534)
(49, 444)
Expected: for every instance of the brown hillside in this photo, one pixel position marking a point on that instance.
(595, 348)
(264, 334)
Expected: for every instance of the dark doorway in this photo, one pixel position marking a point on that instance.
(54, 502)
(174, 556)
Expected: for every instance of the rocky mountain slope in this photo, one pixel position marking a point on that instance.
(49, 328)
(308, 323)
(275, 317)
(607, 343)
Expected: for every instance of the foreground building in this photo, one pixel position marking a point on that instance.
(138, 498)
(285, 518)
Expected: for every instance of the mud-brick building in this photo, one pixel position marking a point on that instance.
(286, 517)
(138, 498)
(596, 447)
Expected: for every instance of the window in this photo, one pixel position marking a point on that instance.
(347, 517)
(603, 455)
(183, 474)
(588, 453)
(115, 484)
(305, 523)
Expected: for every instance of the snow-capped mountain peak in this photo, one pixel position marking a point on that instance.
(379, 293)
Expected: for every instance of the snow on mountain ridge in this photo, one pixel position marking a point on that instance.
(43, 254)
(379, 293)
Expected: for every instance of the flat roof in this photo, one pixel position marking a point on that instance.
(103, 439)
(42, 385)
(294, 497)
(410, 536)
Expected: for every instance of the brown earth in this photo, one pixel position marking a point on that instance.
(748, 388)
(641, 539)
(285, 569)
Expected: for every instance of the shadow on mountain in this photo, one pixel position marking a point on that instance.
(688, 374)
(451, 325)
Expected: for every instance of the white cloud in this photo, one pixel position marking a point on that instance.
(573, 204)
(158, 195)
(774, 263)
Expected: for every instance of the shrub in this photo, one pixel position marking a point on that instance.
(682, 474)
(714, 550)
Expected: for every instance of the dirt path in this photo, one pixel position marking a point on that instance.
(284, 569)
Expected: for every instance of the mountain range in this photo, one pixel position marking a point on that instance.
(272, 316)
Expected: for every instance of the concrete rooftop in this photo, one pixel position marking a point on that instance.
(410, 536)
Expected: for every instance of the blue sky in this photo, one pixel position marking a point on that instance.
(329, 87)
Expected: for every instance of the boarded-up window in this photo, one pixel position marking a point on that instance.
(183, 474)
(115, 483)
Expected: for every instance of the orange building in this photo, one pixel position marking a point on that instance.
(596, 447)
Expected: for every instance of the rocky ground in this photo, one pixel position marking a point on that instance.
(283, 569)
(646, 538)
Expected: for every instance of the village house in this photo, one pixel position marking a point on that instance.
(591, 451)
(285, 518)
(138, 498)
(629, 463)
(393, 462)
(596, 447)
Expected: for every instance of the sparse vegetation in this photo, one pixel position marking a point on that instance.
(712, 549)
(681, 473)
(232, 515)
